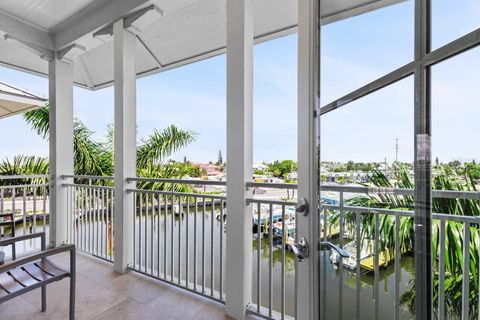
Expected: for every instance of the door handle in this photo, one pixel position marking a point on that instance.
(300, 249)
(328, 245)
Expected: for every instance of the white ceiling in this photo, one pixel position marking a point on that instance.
(190, 30)
(45, 14)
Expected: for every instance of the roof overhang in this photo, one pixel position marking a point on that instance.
(14, 101)
(185, 31)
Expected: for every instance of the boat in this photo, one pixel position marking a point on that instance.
(367, 257)
(289, 236)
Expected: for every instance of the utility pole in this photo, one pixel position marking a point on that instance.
(396, 150)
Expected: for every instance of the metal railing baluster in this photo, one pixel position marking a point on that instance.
(221, 248)
(146, 233)
(284, 235)
(179, 267)
(195, 245)
(441, 272)
(152, 234)
(358, 286)
(270, 260)
(159, 210)
(172, 219)
(203, 245)
(376, 265)
(397, 268)
(165, 203)
(340, 278)
(187, 244)
(140, 196)
(466, 272)
(259, 239)
(135, 241)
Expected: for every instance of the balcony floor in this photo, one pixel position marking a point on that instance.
(103, 294)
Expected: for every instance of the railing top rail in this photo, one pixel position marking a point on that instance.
(87, 186)
(179, 181)
(274, 202)
(450, 194)
(21, 186)
(368, 190)
(87, 177)
(403, 213)
(271, 185)
(20, 177)
(183, 194)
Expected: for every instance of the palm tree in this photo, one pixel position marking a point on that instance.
(453, 234)
(90, 157)
(95, 158)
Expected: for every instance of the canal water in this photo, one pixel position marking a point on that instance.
(207, 228)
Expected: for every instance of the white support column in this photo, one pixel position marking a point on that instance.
(308, 155)
(60, 77)
(125, 144)
(239, 156)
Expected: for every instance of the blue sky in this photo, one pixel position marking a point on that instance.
(354, 52)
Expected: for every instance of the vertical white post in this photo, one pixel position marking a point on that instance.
(308, 154)
(125, 144)
(60, 77)
(239, 156)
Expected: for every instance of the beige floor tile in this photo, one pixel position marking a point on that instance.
(130, 310)
(178, 304)
(210, 311)
(102, 294)
(19, 309)
(137, 287)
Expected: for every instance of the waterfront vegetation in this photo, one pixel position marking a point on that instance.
(444, 179)
(97, 158)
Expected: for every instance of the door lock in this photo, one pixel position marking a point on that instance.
(300, 249)
(302, 206)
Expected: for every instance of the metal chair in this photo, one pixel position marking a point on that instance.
(28, 273)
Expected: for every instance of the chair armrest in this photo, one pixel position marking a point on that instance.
(4, 243)
(37, 256)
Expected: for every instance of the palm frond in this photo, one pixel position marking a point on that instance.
(39, 120)
(161, 144)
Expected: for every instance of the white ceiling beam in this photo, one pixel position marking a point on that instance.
(20, 29)
(92, 17)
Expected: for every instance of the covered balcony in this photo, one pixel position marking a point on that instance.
(163, 248)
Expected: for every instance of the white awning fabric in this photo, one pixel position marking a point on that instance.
(14, 101)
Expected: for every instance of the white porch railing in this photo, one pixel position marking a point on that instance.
(24, 209)
(90, 201)
(179, 237)
(179, 234)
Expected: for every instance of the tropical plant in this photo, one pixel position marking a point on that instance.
(97, 158)
(162, 143)
(453, 233)
(23, 166)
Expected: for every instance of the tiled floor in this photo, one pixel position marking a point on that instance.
(103, 294)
